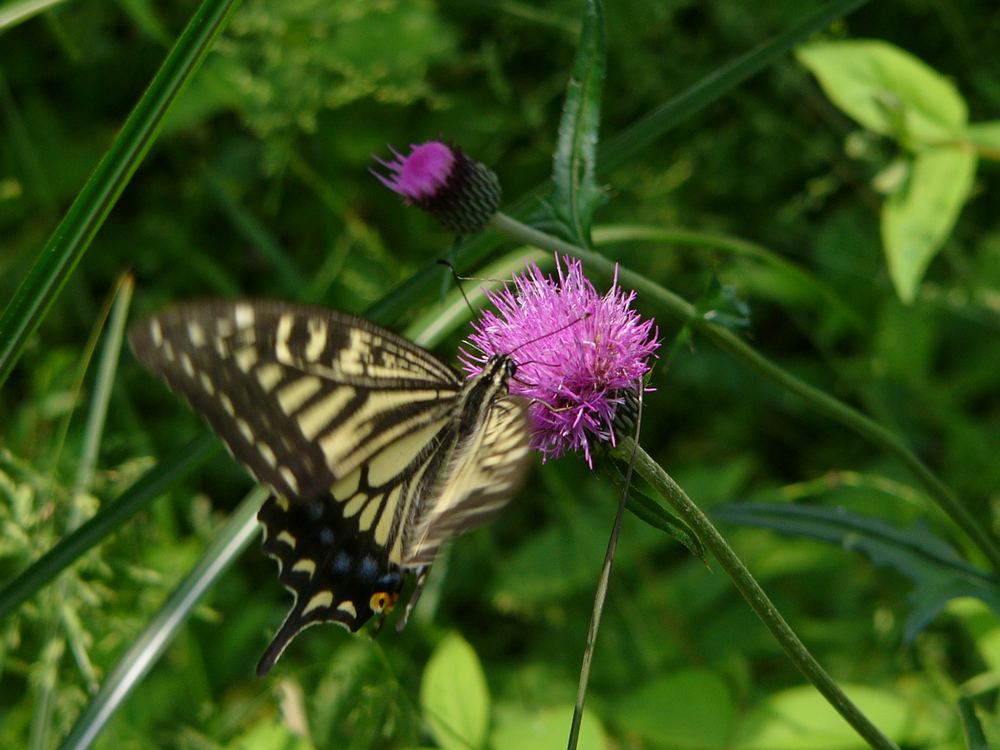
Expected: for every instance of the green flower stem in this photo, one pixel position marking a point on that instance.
(814, 397)
(600, 596)
(750, 590)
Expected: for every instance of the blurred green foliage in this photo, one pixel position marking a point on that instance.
(258, 186)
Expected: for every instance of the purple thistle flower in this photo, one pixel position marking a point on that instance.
(577, 352)
(459, 191)
(420, 175)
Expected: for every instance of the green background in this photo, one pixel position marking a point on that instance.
(258, 185)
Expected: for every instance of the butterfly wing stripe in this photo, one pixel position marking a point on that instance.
(342, 347)
(382, 497)
(416, 488)
(218, 390)
(384, 419)
(482, 475)
(223, 358)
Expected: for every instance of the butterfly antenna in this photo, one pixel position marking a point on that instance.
(550, 333)
(458, 282)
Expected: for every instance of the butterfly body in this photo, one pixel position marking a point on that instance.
(375, 451)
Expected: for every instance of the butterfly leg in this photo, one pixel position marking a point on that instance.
(421, 574)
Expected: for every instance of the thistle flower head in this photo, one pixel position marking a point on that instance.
(458, 191)
(420, 175)
(578, 353)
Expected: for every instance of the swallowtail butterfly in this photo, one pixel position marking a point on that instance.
(374, 450)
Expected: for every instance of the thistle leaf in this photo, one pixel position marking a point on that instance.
(576, 194)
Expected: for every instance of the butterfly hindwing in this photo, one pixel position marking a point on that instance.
(334, 573)
(485, 471)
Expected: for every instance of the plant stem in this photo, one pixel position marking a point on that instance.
(750, 590)
(601, 594)
(725, 339)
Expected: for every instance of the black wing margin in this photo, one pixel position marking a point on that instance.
(334, 574)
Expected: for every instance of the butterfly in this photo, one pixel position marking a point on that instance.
(375, 451)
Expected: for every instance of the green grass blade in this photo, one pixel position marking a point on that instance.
(11, 14)
(904, 549)
(23, 150)
(936, 571)
(289, 279)
(152, 484)
(618, 149)
(145, 650)
(103, 382)
(975, 738)
(72, 237)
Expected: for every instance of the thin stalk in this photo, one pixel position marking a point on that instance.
(600, 596)
(619, 233)
(754, 595)
(823, 403)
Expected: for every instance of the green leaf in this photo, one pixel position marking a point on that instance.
(268, 734)
(576, 194)
(643, 505)
(721, 304)
(887, 90)
(917, 219)
(690, 708)
(938, 573)
(975, 739)
(70, 240)
(454, 696)
(801, 719)
(546, 729)
(985, 135)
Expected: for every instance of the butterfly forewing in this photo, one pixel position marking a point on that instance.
(375, 450)
(301, 396)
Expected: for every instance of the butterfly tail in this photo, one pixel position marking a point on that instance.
(292, 626)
